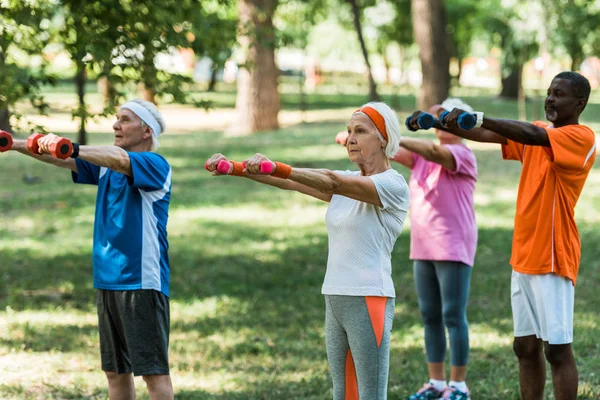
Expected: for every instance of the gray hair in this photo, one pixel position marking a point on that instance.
(153, 110)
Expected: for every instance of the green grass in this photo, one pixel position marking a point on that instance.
(247, 266)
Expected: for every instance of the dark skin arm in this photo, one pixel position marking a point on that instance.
(498, 130)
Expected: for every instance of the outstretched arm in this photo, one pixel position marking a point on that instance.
(111, 157)
(287, 184)
(284, 184)
(517, 131)
(21, 147)
(326, 182)
(476, 134)
(429, 151)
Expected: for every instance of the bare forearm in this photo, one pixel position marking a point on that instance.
(517, 131)
(271, 181)
(475, 134)
(422, 147)
(288, 184)
(21, 147)
(323, 180)
(111, 157)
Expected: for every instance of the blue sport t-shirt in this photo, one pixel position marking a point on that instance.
(130, 227)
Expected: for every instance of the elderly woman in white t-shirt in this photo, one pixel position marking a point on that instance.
(365, 217)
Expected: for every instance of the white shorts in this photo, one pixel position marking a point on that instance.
(542, 305)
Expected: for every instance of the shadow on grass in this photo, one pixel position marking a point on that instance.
(44, 338)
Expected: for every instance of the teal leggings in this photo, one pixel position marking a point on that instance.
(443, 291)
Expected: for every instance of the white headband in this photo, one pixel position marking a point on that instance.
(147, 117)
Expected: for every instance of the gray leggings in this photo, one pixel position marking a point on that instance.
(357, 332)
(443, 291)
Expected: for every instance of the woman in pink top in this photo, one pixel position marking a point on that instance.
(443, 238)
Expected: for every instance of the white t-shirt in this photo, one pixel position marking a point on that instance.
(362, 237)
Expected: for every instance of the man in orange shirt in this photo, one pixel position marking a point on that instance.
(557, 159)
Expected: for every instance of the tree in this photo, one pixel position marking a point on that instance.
(429, 25)
(393, 22)
(257, 102)
(516, 28)
(89, 32)
(356, 19)
(572, 26)
(24, 27)
(463, 25)
(215, 35)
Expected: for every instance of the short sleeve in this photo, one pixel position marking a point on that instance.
(572, 145)
(150, 171)
(347, 172)
(392, 190)
(416, 158)
(513, 151)
(466, 163)
(87, 173)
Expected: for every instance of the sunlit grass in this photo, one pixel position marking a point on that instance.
(247, 317)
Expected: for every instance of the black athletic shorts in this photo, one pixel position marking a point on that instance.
(134, 331)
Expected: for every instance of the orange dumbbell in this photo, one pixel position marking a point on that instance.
(60, 148)
(6, 141)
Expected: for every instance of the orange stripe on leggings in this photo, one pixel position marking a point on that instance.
(376, 307)
(351, 384)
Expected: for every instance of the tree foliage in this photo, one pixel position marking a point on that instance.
(24, 31)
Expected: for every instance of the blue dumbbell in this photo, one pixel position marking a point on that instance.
(465, 120)
(425, 121)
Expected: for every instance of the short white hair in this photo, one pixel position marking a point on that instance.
(451, 103)
(392, 127)
(152, 109)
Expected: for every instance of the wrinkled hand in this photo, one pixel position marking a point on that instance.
(342, 137)
(451, 120)
(212, 162)
(45, 142)
(253, 164)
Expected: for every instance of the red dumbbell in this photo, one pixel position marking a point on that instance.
(32, 143)
(6, 141)
(60, 148)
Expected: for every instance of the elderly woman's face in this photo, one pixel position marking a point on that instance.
(364, 143)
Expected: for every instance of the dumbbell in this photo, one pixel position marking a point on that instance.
(424, 121)
(6, 141)
(465, 120)
(224, 166)
(60, 148)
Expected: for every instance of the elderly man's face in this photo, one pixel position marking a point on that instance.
(129, 130)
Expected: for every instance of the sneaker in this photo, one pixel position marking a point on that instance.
(427, 392)
(452, 393)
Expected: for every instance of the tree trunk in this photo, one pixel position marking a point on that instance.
(460, 69)
(511, 83)
(373, 95)
(4, 111)
(80, 85)
(576, 61)
(5, 120)
(429, 26)
(107, 88)
(257, 103)
(388, 67)
(149, 79)
(213, 78)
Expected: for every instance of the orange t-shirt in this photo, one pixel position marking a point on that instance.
(545, 237)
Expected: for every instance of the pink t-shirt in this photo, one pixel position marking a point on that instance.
(442, 217)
